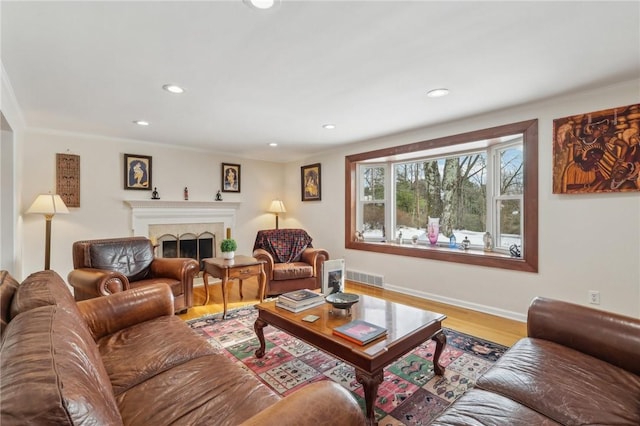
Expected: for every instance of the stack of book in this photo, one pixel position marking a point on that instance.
(299, 300)
(360, 332)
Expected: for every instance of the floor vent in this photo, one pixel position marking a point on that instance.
(364, 278)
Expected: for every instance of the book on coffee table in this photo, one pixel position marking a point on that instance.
(296, 309)
(360, 332)
(300, 298)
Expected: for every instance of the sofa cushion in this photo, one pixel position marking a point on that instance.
(131, 258)
(42, 288)
(8, 287)
(50, 357)
(133, 355)
(479, 407)
(292, 271)
(210, 390)
(564, 384)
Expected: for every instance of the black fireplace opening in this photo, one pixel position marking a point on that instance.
(194, 248)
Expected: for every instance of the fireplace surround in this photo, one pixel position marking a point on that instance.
(183, 228)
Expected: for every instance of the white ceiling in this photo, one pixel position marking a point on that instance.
(254, 77)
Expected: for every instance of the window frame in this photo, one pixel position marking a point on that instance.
(529, 260)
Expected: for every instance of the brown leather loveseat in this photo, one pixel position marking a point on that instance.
(126, 359)
(578, 366)
(111, 265)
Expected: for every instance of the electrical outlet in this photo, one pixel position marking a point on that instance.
(594, 297)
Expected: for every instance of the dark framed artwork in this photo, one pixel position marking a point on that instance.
(68, 179)
(137, 172)
(230, 177)
(597, 151)
(311, 182)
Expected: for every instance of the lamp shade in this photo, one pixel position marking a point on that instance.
(277, 206)
(48, 204)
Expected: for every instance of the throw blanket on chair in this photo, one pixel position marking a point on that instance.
(285, 245)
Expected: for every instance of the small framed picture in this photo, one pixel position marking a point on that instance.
(137, 172)
(230, 177)
(310, 181)
(333, 274)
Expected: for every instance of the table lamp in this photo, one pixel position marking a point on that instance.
(48, 205)
(277, 206)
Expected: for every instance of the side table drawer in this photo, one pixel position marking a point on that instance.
(243, 272)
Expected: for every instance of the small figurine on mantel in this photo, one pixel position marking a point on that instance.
(154, 194)
(218, 196)
(186, 193)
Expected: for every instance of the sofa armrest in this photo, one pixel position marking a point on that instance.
(320, 403)
(106, 315)
(608, 336)
(90, 282)
(266, 257)
(315, 257)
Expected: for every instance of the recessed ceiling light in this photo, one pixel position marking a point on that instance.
(141, 122)
(437, 93)
(173, 88)
(329, 126)
(273, 144)
(261, 4)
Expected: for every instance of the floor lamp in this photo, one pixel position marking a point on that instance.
(277, 206)
(48, 205)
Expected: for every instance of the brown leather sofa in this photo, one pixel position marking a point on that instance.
(290, 261)
(126, 359)
(107, 266)
(578, 366)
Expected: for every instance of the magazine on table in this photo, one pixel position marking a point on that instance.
(299, 308)
(360, 331)
(299, 296)
(333, 274)
(305, 302)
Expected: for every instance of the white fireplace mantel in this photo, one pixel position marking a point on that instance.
(156, 212)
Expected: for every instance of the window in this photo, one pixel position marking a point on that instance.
(473, 183)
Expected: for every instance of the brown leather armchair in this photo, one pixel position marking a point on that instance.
(106, 266)
(290, 261)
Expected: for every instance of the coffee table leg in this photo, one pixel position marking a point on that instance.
(370, 383)
(441, 340)
(258, 327)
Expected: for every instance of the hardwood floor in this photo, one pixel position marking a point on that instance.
(489, 327)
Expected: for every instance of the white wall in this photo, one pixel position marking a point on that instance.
(102, 212)
(586, 242)
(10, 147)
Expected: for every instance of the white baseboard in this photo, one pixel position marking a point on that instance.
(460, 303)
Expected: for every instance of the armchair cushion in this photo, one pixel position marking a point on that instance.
(131, 258)
(292, 271)
(285, 245)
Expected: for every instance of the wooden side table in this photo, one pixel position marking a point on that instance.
(240, 268)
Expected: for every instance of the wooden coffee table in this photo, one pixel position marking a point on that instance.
(240, 268)
(407, 327)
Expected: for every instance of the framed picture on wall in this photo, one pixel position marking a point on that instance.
(310, 182)
(230, 177)
(137, 172)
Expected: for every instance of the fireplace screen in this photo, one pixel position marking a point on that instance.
(197, 247)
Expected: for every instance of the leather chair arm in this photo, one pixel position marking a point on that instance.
(320, 403)
(179, 268)
(106, 315)
(608, 336)
(265, 256)
(97, 282)
(315, 257)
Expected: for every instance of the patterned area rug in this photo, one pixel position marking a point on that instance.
(411, 393)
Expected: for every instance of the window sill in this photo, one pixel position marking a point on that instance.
(477, 257)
